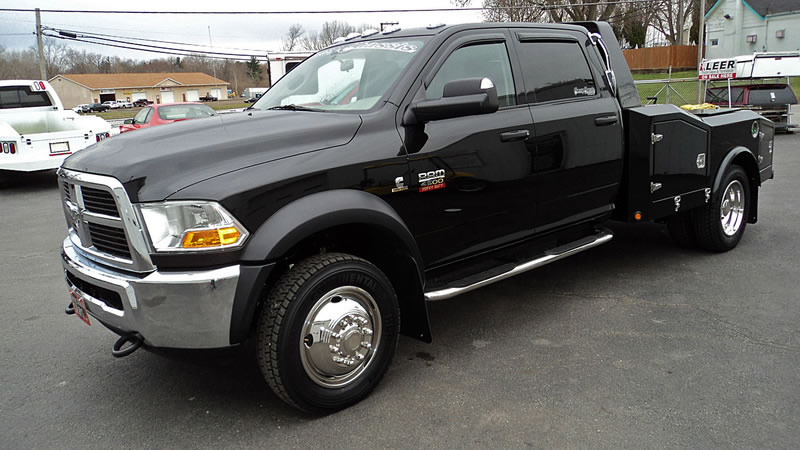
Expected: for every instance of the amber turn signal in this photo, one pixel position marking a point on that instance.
(637, 216)
(216, 237)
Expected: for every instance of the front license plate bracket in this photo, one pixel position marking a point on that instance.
(79, 306)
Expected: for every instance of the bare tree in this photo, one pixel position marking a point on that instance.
(291, 40)
(543, 10)
(633, 21)
(673, 14)
(329, 32)
(55, 55)
(578, 10)
(508, 10)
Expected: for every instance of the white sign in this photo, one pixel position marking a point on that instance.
(107, 91)
(717, 69)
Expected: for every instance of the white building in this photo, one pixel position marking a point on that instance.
(740, 27)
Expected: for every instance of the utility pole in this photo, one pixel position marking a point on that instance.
(42, 66)
(680, 22)
(213, 63)
(701, 46)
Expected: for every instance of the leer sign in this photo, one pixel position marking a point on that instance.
(717, 69)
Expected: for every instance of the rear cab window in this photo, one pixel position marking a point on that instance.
(765, 95)
(22, 97)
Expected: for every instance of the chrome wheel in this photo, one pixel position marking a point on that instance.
(340, 336)
(732, 208)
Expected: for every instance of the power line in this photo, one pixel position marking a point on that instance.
(87, 34)
(177, 52)
(361, 11)
(72, 35)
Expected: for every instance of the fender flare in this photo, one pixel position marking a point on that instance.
(752, 171)
(732, 154)
(316, 212)
(307, 216)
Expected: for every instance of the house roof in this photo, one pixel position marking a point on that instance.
(764, 8)
(768, 7)
(131, 80)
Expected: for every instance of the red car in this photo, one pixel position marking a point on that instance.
(154, 115)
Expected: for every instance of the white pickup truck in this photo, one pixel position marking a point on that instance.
(36, 133)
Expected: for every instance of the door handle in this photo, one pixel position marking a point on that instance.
(516, 135)
(605, 120)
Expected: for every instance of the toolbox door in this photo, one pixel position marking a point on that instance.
(679, 159)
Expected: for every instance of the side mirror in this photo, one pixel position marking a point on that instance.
(128, 121)
(460, 98)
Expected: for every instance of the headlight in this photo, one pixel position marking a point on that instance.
(191, 225)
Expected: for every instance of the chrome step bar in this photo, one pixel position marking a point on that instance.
(602, 237)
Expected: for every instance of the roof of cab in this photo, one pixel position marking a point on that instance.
(438, 29)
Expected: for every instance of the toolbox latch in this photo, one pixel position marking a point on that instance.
(656, 137)
(654, 187)
(677, 200)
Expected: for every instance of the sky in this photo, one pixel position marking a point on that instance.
(242, 31)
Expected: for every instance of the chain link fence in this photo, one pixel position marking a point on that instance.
(682, 91)
(678, 91)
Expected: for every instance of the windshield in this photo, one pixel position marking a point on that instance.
(349, 77)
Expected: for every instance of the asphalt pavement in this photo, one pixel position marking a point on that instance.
(634, 344)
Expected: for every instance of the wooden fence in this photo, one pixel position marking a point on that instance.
(660, 58)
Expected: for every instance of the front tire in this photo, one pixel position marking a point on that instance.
(719, 225)
(327, 332)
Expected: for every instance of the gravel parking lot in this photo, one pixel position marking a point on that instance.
(634, 344)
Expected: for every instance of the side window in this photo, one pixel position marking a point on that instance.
(480, 60)
(149, 115)
(555, 71)
(141, 115)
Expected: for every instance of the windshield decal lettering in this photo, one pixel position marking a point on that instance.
(405, 47)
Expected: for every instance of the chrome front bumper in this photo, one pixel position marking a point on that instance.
(168, 309)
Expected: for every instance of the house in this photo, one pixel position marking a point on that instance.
(740, 27)
(75, 89)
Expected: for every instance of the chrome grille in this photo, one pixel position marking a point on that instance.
(109, 239)
(67, 191)
(103, 223)
(99, 201)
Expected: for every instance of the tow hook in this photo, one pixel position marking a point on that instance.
(70, 309)
(134, 339)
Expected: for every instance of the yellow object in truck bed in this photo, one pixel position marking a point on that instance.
(698, 106)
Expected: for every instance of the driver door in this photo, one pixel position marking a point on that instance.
(481, 194)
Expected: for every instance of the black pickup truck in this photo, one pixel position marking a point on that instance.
(383, 172)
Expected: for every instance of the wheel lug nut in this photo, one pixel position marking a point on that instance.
(366, 345)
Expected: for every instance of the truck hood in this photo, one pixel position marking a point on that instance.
(156, 162)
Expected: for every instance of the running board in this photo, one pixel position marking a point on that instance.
(552, 255)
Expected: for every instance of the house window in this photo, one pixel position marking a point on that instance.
(780, 34)
(751, 38)
(714, 42)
